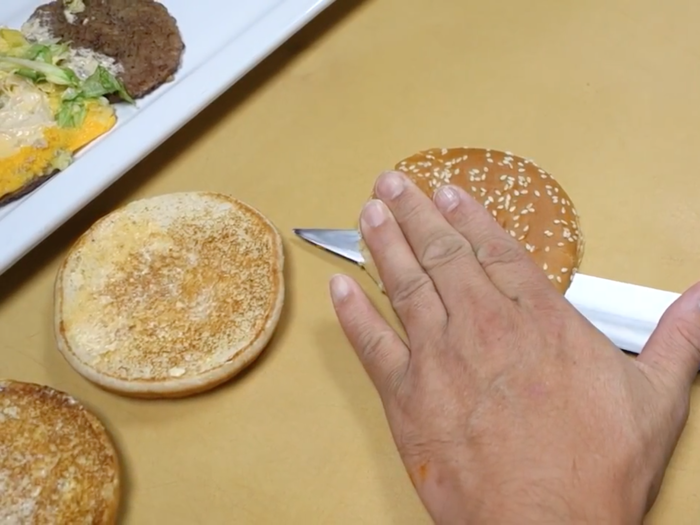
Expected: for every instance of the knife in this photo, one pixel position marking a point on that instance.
(626, 313)
(345, 243)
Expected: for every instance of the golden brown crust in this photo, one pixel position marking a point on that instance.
(523, 198)
(57, 462)
(170, 296)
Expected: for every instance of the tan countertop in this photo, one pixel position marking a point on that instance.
(604, 94)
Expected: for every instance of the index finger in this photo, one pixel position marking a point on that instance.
(502, 257)
(444, 253)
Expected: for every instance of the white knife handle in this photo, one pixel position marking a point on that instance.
(626, 313)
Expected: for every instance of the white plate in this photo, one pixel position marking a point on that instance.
(224, 40)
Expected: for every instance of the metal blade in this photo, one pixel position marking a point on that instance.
(345, 243)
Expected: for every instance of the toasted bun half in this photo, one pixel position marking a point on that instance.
(171, 295)
(522, 197)
(57, 463)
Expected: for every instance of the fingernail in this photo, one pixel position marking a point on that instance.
(446, 198)
(340, 287)
(374, 213)
(390, 185)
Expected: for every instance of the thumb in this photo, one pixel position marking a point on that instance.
(674, 347)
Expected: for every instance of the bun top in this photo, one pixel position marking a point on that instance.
(522, 197)
(57, 463)
(165, 294)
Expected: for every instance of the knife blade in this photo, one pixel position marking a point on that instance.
(626, 313)
(344, 243)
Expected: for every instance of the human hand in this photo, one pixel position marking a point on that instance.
(506, 405)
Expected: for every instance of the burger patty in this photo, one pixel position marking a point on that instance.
(140, 35)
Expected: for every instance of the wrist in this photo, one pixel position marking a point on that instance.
(528, 502)
(550, 503)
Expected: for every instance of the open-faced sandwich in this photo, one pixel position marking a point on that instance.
(61, 73)
(52, 103)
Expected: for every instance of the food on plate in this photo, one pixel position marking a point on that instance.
(140, 36)
(523, 198)
(52, 103)
(57, 462)
(171, 295)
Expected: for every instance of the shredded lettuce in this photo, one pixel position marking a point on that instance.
(58, 75)
(76, 94)
(74, 6)
(41, 63)
(62, 160)
(102, 83)
(10, 39)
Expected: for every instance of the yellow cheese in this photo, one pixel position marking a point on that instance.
(41, 147)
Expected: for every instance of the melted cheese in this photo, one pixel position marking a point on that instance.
(25, 113)
(46, 148)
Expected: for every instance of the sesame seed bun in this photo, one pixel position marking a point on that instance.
(57, 462)
(522, 197)
(171, 295)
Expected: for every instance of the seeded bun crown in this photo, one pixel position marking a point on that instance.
(522, 197)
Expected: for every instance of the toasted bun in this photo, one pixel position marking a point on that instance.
(523, 198)
(170, 296)
(57, 463)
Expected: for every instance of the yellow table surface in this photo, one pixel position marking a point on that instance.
(605, 94)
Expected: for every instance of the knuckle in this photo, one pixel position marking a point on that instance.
(407, 209)
(375, 349)
(410, 289)
(443, 250)
(494, 322)
(499, 251)
(373, 344)
(688, 333)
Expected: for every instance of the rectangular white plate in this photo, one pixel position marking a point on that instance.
(224, 40)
